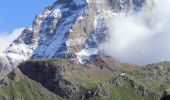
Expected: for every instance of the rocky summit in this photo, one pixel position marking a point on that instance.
(68, 29)
(58, 57)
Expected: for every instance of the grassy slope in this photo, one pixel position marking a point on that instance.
(154, 77)
(86, 79)
(124, 91)
(26, 89)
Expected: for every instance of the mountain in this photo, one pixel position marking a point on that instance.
(57, 58)
(70, 29)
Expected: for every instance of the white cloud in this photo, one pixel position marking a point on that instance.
(140, 38)
(6, 39)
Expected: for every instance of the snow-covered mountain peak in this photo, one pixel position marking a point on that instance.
(68, 29)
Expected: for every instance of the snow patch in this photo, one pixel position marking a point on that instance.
(56, 13)
(85, 54)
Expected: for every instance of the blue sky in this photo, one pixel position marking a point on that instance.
(19, 13)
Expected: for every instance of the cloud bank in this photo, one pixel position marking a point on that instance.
(6, 39)
(140, 38)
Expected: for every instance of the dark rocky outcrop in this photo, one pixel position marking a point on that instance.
(51, 74)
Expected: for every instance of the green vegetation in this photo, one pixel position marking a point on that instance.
(26, 89)
(128, 68)
(154, 77)
(123, 91)
(93, 81)
(86, 79)
(48, 60)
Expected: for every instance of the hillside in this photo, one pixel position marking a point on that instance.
(100, 79)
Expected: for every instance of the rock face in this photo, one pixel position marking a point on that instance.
(50, 74)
